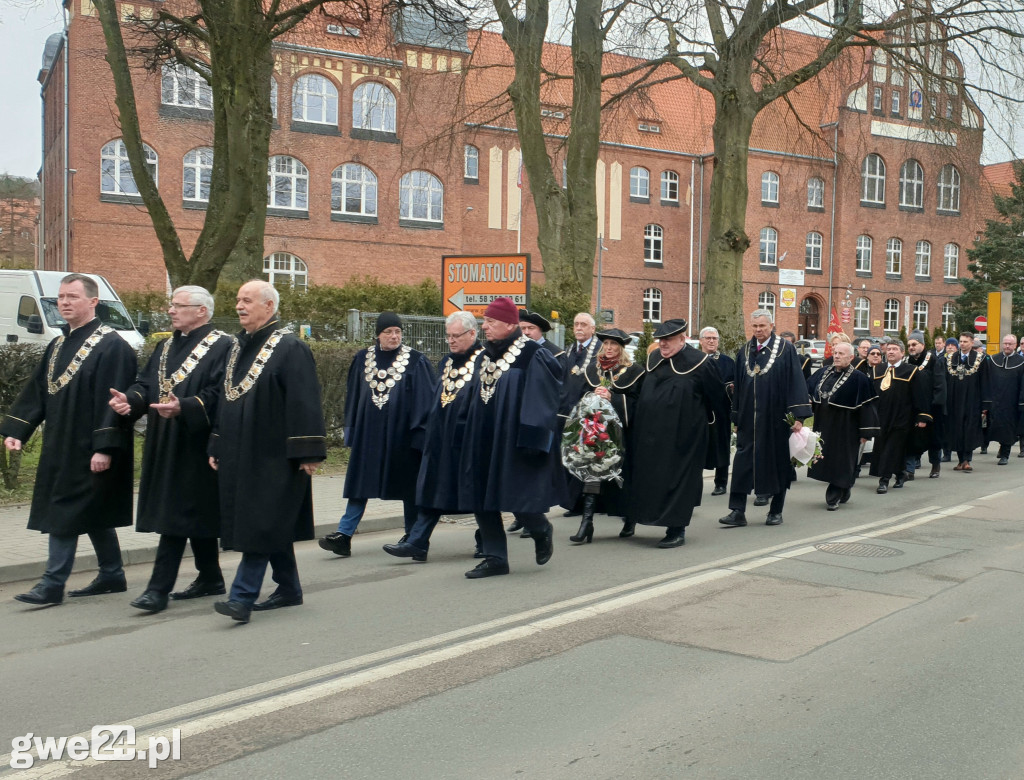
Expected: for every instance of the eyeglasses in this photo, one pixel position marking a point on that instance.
(454, 336)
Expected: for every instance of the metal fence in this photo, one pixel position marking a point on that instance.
(427, 334)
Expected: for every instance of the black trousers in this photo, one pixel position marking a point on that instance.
(834, 494)
(168, 558)
(738, 501)
(722, 476)
(494, 540)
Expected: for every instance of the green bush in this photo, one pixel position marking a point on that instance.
(17, 363)
(332, 363)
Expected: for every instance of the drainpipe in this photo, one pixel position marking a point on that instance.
(832, 223)
(689, 288)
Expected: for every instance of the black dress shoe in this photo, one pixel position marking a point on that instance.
(674, 537)
(883, 487)
(101, 585)
(832, 507)
(200, 588)
(544, 545)
(735, 519)
(773, 518)
(479, 554)
(984, 450)
(406, 550)
(573, 513)
(337, 543)
(1020, 454)
(514, 527)
(900, 480)
(1002, 461)
(718, 491)
(761, 500)
(947, 459)
(151, 601)
(908, 476)
(628, 529)
(490, 567)
(934, 473)
(235, 610)
(275, 601)
(525, 533)
(42, 595)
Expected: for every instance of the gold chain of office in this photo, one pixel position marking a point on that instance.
(234, 392)
(168, 383)
(54, 386)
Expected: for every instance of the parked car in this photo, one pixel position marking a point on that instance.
(634, 340)
(812, 348)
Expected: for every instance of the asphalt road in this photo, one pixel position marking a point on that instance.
(880, 641)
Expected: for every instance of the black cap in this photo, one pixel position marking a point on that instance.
(388, 319)
(670, 328)
(614, 334)
(535, 319)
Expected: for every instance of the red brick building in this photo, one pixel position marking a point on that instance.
(391, 151)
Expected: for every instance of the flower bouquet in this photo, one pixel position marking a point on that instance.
(805, 445)
(592, 441)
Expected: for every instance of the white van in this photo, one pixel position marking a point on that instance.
(28, 308)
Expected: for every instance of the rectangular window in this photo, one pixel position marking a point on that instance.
(895, 108)
(876, 102)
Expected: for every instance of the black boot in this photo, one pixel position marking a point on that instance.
(586, 532)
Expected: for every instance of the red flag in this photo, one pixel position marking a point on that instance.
(833, 327)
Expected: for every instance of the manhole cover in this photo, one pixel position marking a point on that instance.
(858, 549)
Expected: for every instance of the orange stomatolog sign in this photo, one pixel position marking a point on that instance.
(470, 282)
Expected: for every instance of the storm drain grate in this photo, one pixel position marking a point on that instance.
(858, 549)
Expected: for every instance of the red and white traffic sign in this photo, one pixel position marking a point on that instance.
(980, 324)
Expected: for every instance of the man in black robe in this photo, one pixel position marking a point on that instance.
(536, 327)
(178, 390)
(682, 401)
(575, 361)
(709, 340)
(1004, 396)
(511, 439)
(84, 478)
(929, 438)
(389, 397)
(965, 372)
(904, 403)
(268, 438)
(437, 487)
(842, 399)
(769, 378)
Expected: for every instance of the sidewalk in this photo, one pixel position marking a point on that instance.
(23, 552)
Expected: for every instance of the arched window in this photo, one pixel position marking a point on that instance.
(951, 259)
(653, 235)
(766, 300)
(812, 251)
(652, 305)
(288, 184)
(196, 174)
(768, 254)
(921, 315)
(892, 315)
(872, 173)
(769, 187)
(670, 186)
(894, 257)
(639, 183)
(373, 107)
(923, 259)
(862, 314)
(354, 190)
(912, 185)
(948, 316)
(116, 173)
(864, 249)
(421, 197)
(315, 100)
(182, 86)
(816, 193)
(949, 189)
(471, 163)
(285, 267)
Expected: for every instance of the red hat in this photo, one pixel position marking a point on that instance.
(503, 310)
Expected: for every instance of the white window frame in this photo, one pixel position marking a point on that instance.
(288, 178)
(284, 266)
(872, 174)
(813, 250)
(923, 259)
(876, 99)
(639, 182)
(374, 107)
(816, 193)
(894, 102)
(315, 100)
(948, 315)
(951, 262)
(949, 189)
(116, 172)
(891, 316)
(766, 300)
(768, 247)
(894, 256)
(865, 249)
(181, 86)
(421, 197)
(862, 314)
(471, 163)
(920, 315)
(350, 182)
(197, 172)
(912, 185)
(653, 244)
(670, 186)
(652, 305)
(769, 187)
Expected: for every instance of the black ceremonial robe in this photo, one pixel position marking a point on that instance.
(511, 444)
(387, 441)
(761, 401)
(438, 484)
(262, 437)
(68, 498)
(681, 402)
(723, 431)
(904, 399)
(963, 400)
(553, 348)
(178, 490)
(1004, 397)
(574, 384)
(843, 416)
(931, 437)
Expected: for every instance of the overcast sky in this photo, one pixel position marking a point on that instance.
(24, 27)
